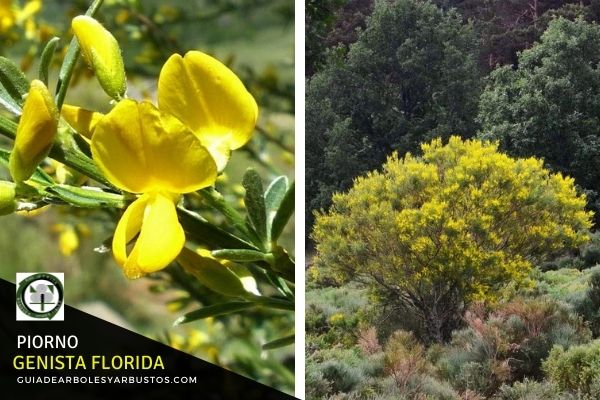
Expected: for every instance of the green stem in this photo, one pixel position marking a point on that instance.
(66, 151)
(206, 233)
(275, 344)
(66, 70)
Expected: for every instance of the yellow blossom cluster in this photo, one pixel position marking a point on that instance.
(462, 215)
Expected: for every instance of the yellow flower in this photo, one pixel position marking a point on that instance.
(68, 241)
(210, 99)
(7, 15)
(30, 8)
(141, 150)
(35, 133)
(11, 15)
(82, 120)
(102, 53)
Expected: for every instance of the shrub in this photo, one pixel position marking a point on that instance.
(405, 359)
(576, 369)
(588, 305)
(338, 370)
(508, 343)
(531, 390)
(591, 252)
(317, 387)
(368, 341)
(591, 256)
(333, 316)
(435, 232)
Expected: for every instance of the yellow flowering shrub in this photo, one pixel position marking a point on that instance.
(451, 226)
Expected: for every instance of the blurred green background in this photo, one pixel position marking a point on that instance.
(256, 39)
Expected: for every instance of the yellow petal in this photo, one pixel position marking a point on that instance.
(82, 120)
(209, 98)
(128, 227)
(35, 133)
(220, 152)
(140, 151)
(161, 236)
(102, 53)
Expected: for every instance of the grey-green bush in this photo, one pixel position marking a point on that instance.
(531, 390)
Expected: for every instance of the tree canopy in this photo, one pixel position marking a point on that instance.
(550, 105)
(412, 75)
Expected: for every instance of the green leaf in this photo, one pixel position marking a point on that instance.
(272, 302)
(240, 255)
(202, 231)
(217, 201)
(87, 197)
(275, 193)
(284, 213)
(9, 103)
(46, 59)
(39, 176)
(66, 71)
(255, 203)
(275, 344)
(211, 273)
(214, 311)
(13, 81)
(7, 127)
(287, 292)
(273, 197)
(283, 263)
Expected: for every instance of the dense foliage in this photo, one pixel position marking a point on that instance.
(577, 369)
(411, 75)
(502, 29)
(512, 350)
(507, 27)
(550, 105)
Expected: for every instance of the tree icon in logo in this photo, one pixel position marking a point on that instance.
(42, 294)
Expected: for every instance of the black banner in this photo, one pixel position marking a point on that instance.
(84, 357)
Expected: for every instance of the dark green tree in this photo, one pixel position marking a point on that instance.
(329, 24)
(319, 16)
(411, 75)
(506, 27)
(550, 105)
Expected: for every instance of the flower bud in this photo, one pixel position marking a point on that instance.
(35, 133)
(102, 53)
(7, 198)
